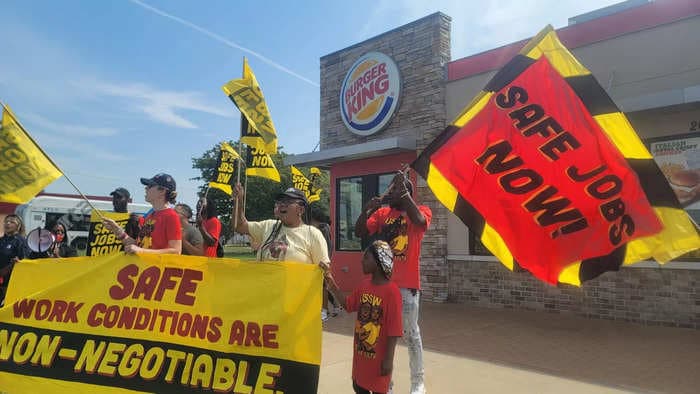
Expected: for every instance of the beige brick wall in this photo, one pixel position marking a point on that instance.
(650, 296)
(421, 50)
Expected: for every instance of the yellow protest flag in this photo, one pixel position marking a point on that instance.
(248, 97)
(260, 164)
(226, 147)
(225, 169)
(24, 169)
(301, 182)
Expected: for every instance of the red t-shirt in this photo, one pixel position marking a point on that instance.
(213, 227)
(159, 227)
(405, 239)
(378, 318)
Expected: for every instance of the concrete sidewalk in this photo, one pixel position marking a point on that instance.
(469, 349)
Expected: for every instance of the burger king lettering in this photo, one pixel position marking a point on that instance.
(370, 93)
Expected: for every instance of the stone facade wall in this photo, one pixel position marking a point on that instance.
(650, 296)
(421, 50)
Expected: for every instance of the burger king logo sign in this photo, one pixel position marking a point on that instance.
(370, 93)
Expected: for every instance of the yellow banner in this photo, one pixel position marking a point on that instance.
(260, 164)
(160, 323)
(248, 97)
(225, 169)
(101, 241)
(24, 168)
(301, 182)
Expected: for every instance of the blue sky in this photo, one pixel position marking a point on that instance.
(121, 89)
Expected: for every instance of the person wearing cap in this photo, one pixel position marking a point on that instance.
(120, 201)
(161, 232)
(287, 237)
(378, 324)
(402, 224)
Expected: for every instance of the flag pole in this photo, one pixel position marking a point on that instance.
(238, 180)
(9, 112)
(201, 206)
(240, 154)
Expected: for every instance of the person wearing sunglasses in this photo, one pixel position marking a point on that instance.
(287, 237)
(162, 231)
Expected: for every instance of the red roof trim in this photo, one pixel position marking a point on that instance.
(639, 18)
(7, 208)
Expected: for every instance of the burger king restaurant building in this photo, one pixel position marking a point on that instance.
(385, 99)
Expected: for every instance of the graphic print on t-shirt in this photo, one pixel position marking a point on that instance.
(146, 232)
(368, 325)
(276, 250)
(395, 233)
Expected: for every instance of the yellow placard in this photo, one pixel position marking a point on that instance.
(160, 323)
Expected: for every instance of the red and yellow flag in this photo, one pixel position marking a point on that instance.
(550, 175)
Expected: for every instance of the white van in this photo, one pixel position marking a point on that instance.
(74, 213)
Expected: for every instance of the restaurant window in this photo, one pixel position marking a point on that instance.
(353, 193)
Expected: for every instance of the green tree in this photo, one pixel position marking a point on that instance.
(260, 191)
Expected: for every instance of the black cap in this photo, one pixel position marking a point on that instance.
(292, 193)
(162, 180)
(121, 192)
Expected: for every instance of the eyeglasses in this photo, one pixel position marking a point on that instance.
(59, 231)
(286, 202)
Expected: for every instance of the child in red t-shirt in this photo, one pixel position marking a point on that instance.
(378, 324)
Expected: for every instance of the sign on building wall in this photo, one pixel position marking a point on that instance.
(678, 157)
(369, 95)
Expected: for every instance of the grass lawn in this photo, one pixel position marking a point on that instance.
(239, 252)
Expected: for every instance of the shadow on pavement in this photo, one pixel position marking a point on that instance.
(607, 353)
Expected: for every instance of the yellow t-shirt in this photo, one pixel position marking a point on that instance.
(303, 244)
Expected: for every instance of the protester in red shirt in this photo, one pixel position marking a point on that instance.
(378, 324)
(209, 225)
(161, 232)
(402, 224)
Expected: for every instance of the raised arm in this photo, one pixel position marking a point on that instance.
(242, 227)
(367, 211)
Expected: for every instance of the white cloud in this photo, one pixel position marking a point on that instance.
(62, 83)
(159, 105)
(62, 144)
(71, 130)
(223, 40)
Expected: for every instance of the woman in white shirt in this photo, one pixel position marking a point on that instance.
(287, 237)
